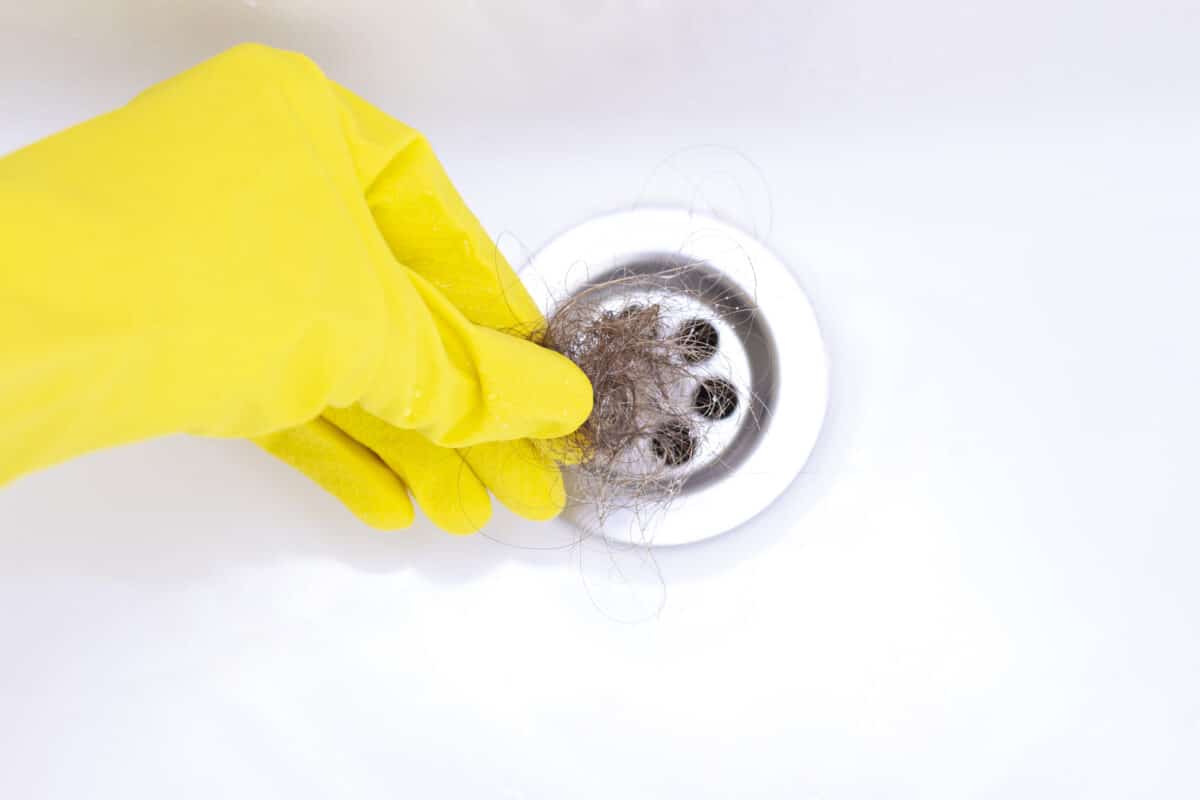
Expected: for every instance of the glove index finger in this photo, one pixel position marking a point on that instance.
(432, 232)
(426, 223)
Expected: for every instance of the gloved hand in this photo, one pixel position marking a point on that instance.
(357, 456)
(245, 247)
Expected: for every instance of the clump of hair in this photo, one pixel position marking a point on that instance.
(627, 452)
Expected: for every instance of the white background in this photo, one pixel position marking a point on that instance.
(984, 585)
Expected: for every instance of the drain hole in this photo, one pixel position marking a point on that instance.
(715, 398)
(673, 444)
(698, 340)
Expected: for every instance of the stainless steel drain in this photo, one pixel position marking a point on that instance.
(761, 386)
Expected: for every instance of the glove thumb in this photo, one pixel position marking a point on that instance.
(462, 384)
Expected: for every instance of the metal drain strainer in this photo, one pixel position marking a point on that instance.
(761, 385)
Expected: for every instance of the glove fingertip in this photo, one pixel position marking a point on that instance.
(345, 469)
(576, 396)
(387, 519)
(521, 477)
(452, 497)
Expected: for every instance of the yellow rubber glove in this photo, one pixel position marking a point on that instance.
(206, 260)
(358, 457)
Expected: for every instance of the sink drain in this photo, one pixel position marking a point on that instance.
(751, 336)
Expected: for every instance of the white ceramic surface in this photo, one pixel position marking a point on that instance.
(983, 585)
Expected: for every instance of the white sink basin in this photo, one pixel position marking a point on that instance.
(983, 585)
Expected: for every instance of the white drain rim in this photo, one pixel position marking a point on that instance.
(801, 371)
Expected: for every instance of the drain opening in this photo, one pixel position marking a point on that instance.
(715, 398)
(717, 291)
(673, 444)
(698, 339)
